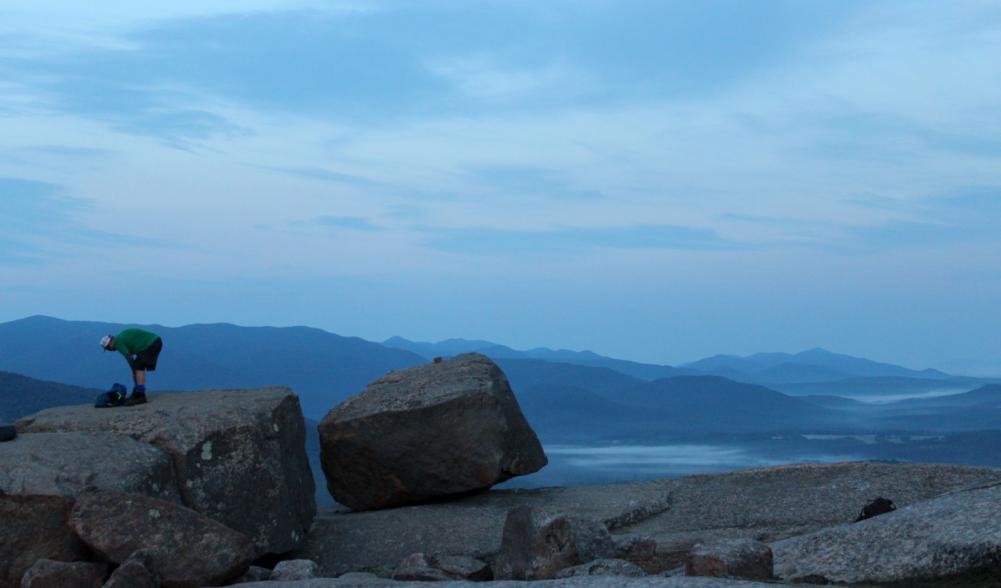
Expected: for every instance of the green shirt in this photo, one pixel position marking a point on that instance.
(133, 341)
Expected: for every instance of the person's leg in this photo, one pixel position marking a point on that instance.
(139, 377)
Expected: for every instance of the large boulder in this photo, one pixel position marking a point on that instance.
(239, 455)
(187, 549)
(956, 534)
(428, 432)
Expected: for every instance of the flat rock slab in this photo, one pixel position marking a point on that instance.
(188, 549)
(239, 455)
(575, 582)
(67, 464)
(947, 536)
(763, 504)
(425, 433)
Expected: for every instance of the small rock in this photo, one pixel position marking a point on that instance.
(417, 567)
(47, 573)
(190, 549)
(138, 571)
(537, 547)
(254, 574)
(463, 567)
(648, 554)
(734, 558)
(603, 567)
(472, 435)
(7, 432)
(295, 569)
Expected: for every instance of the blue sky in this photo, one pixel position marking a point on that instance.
(647, 179)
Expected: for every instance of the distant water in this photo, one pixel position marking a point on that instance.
(888, 398)
(571, 465)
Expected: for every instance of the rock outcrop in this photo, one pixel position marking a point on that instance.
(425, 433)
(41, 474)
(238, 455)
(187, 548)
(654, 524)
(952, 535)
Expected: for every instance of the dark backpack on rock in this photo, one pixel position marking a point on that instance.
(875, 508)
(7, 432)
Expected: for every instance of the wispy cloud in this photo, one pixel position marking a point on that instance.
(577, 240)
(356, 223)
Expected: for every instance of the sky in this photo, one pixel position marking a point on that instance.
(652, 180)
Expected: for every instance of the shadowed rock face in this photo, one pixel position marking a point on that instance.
(946, 536)
(34, 528)
(425, 433)
(239, 455)
(47, 573)
(188, 549)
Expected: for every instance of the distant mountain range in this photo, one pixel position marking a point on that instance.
(323, 367)
(566, 394)
(21, 395)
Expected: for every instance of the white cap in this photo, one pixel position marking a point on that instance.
(105, 341)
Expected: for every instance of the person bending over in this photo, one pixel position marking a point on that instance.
(141, 349)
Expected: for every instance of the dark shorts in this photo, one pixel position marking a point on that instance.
(146, 359)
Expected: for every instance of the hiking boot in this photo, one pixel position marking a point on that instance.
(136, 398)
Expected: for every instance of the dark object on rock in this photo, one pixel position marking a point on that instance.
(943, 537)
(437, 360)
(7, 432)
(34, 528)
(138, 571)
(875, 508)
(294, 569)
(239, 455)
(47, 573)
(537, 547)
(424, 433)
(112, 398)
(734, 558)
(188, 548)
(604, 567)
